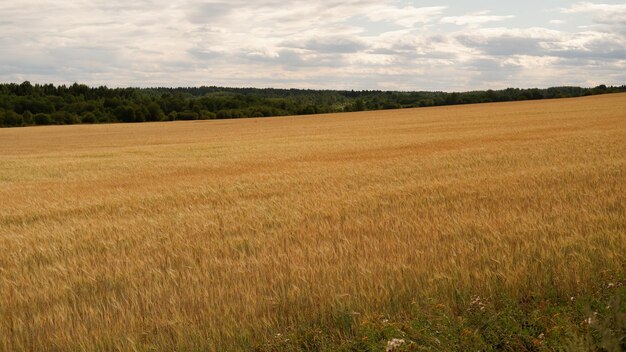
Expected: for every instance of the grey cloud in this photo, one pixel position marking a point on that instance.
(619, 54)
(293, 60)
(337, 45)
(383, 51)
(205, 13)
(504, 45)
(491, 71)
(507, 45)
(10, 68)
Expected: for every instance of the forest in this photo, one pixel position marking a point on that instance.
(29, 104)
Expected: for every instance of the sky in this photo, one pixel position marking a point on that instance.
(321, 44)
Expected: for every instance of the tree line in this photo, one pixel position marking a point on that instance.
(26, 104)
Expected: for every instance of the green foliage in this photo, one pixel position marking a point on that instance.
(11, 119)
(187, 115)
(42, 119)
(124, 113)
(27, 117)
(155, 113)
(595, 321)
(64, 118)
(27, 104)
(88, 117)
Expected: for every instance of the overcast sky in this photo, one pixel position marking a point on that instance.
(329, 44)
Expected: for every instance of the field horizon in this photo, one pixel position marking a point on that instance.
(26, 104)
(495, 226)
(341, 113)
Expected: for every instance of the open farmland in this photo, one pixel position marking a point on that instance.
(492, 225)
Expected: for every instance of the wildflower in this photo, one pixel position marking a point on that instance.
(476, 302)
(393, 344)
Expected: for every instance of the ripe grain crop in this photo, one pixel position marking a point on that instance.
(246, 234)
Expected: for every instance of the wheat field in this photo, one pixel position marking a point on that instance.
(296, 233)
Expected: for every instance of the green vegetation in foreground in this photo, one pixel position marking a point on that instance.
(26, 104)
(590, 322)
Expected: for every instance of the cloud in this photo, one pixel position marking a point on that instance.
(505, 41)
(405, 16)
(475, 19)
(589, 7)
(607, 17)
(360, 44)
(206, 13)
(330, 44)
(539, 41)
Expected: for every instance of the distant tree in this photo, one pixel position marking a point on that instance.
(359, 105)
(28, 118)
(187, 115)
(103, 117)
(88, 117)
(64, 118)
(175, 103)
(111, 103)
(11, 119)
(124, 113)
(42, 119)
(25, 89)
(155, 113)
(308, 110)
(140, 114)
(452, 98)
(80, 103)
(207, 115)
(224, 114)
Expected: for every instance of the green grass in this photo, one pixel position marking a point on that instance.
(594, 321)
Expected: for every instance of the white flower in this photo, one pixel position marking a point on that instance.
(393, 344)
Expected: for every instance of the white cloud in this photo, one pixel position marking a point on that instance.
(531, 62)
(361, 44)
(607, 17)
(475, 19)
(585, 7)
(404, 16)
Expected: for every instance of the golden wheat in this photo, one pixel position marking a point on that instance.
(220, 234)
